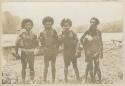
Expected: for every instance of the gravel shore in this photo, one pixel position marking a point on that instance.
(111, 66)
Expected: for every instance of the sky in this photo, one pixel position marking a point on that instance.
(79, 12)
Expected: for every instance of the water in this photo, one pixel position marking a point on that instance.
(9, 39)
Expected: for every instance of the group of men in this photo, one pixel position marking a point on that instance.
(50, 41)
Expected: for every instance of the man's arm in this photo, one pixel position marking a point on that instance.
(101, 44)
(56, 35)
(61, 38)
(36, 43)
(101, 41)
(56, 39)
(19, 40)
(41, 39)
(75, 37)
(82, 38)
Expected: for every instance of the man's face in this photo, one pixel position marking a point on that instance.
(66, 26)
(48, 24)
(28, 26)
(93, 23)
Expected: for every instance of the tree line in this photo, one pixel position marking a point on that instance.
(11, 23)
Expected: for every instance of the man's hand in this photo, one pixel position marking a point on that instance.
(80, 47)
(78, 54)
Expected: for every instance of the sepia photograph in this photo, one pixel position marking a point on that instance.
(64, 0)
(62, 43)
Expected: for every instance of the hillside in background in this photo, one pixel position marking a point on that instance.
(115, 26)
(11, 23)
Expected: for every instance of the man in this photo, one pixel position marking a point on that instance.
(93, 47)
(69, 41)
(49, 42)
(27, 42)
